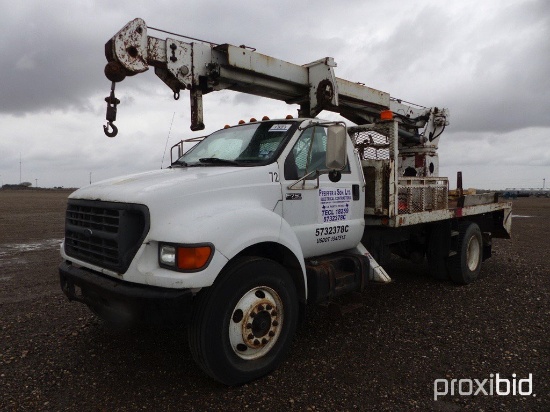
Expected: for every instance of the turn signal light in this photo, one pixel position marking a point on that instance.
(193, 258)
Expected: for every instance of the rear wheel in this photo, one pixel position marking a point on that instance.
(465, 265)
(243, 325)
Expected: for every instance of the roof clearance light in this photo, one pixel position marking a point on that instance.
(265, 118)
(226, 126)
(242, 122)
(386, 115)
(289, 116)
(253, 120)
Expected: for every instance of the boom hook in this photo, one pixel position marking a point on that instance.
(107, 132)
(110, 116)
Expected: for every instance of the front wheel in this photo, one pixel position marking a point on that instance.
(243, 325)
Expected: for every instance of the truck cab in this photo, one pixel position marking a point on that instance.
(259, 182)
(258, 194)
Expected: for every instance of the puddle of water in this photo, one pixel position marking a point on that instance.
(7, 249)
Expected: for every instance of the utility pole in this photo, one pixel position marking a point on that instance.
(543, 184)
(19, 167)
(90, 177)
(35, 182)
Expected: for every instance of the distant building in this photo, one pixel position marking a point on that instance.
(525, 192)
(24, 185)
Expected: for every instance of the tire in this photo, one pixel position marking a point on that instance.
(464, 267)
(242, 327)
(437, 253)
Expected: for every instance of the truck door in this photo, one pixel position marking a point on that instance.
(326, 216)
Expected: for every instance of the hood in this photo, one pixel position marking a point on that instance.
(171, 183)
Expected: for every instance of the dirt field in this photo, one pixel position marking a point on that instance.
(56, 355)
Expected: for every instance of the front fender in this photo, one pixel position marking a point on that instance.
(230, 231)
(237, 230)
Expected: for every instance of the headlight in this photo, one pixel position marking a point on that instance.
(186, 258)
(167, 255)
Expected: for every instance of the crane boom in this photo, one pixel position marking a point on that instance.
(202, 67)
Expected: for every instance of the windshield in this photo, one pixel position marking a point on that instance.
(247, 145)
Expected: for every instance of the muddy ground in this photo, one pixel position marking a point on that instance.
(56, 355)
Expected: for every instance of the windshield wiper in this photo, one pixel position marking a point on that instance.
(217, 160)
(179, 163)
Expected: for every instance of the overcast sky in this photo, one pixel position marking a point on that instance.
(487, 61)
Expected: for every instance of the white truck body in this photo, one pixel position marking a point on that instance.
(260, 219)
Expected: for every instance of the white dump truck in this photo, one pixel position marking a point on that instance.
(258, 220)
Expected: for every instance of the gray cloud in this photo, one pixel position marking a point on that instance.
(486, 61)
(488, 67)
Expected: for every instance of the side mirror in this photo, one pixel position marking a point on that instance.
(334, 176)
(336, 147)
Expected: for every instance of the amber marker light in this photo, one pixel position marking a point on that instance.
(386, 115)
(193, 258)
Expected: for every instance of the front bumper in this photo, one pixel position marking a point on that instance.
(122, 302)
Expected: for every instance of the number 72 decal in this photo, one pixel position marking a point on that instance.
(274, 176)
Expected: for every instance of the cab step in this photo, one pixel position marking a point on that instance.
(335, 275)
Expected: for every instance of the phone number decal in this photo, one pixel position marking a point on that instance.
(334, 204)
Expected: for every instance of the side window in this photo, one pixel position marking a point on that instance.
(309, 153)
